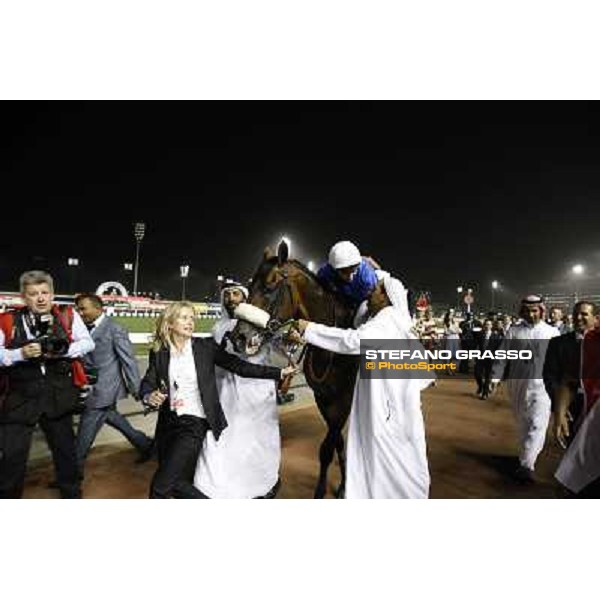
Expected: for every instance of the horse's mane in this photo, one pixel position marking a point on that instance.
(264, 269)
(312, 276)
(267, 265)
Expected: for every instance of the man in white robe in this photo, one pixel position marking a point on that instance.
(244, 462)
(386, 455)
(530, 400)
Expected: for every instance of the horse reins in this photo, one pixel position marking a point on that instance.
(275, 299)
(310, 360)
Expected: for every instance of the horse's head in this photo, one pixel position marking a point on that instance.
(278, 287)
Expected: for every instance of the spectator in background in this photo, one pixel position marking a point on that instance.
(425, 327)
(487, 339)
(556, 320)
(506, 324)
(451, 336)
(569, 324)
(563, 368)
(467, 340)
(526, 390)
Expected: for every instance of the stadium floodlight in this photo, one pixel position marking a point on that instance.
(128, 266)
(459, 291)
(495, 286)
(72, 262)
(139, 230)
(184, 270)
(577, 270)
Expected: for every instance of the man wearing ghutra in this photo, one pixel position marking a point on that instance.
(387, 455)
(530, 400)
(244, 461)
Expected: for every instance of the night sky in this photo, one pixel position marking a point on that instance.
(441, 193)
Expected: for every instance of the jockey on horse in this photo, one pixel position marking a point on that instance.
(349, 274)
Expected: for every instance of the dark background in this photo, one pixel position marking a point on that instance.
(441, 193)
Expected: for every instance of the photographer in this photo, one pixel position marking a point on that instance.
(38, 345)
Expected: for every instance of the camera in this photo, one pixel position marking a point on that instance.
(52, 345)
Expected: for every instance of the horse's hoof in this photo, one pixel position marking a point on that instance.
(341, 493)
(319, 494)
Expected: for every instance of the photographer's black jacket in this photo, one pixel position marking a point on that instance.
(206, 355)
(33, 391)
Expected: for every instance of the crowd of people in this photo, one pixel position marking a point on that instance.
(217, 433)
(556, 383)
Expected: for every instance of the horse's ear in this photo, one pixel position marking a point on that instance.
(268, 253)
(283, 252)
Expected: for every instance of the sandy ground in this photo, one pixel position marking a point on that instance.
(471, 447)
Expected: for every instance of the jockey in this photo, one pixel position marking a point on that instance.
(350, 275)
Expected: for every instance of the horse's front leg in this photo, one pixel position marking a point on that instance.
(341, 453)
(325, 458)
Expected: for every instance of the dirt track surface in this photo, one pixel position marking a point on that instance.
(471, 448)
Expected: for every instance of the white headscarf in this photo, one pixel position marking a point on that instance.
(234, 286)
(397, 294)
(226, 323)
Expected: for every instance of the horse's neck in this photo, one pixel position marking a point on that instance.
(321, 306)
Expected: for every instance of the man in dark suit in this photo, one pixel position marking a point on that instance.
(563, 366)
(486, 339)
(114, 372)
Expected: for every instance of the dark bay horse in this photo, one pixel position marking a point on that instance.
(286, 289)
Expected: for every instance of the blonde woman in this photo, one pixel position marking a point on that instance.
(180, 383)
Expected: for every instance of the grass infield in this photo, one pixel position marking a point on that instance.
(146, 325)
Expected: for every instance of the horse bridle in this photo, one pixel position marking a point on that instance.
(275, 297)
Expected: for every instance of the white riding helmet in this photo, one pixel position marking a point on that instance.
(344, 254)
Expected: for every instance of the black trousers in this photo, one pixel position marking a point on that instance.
(483, 375)
(179, 442)
(15, 443)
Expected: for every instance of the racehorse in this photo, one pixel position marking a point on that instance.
(287, 290)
